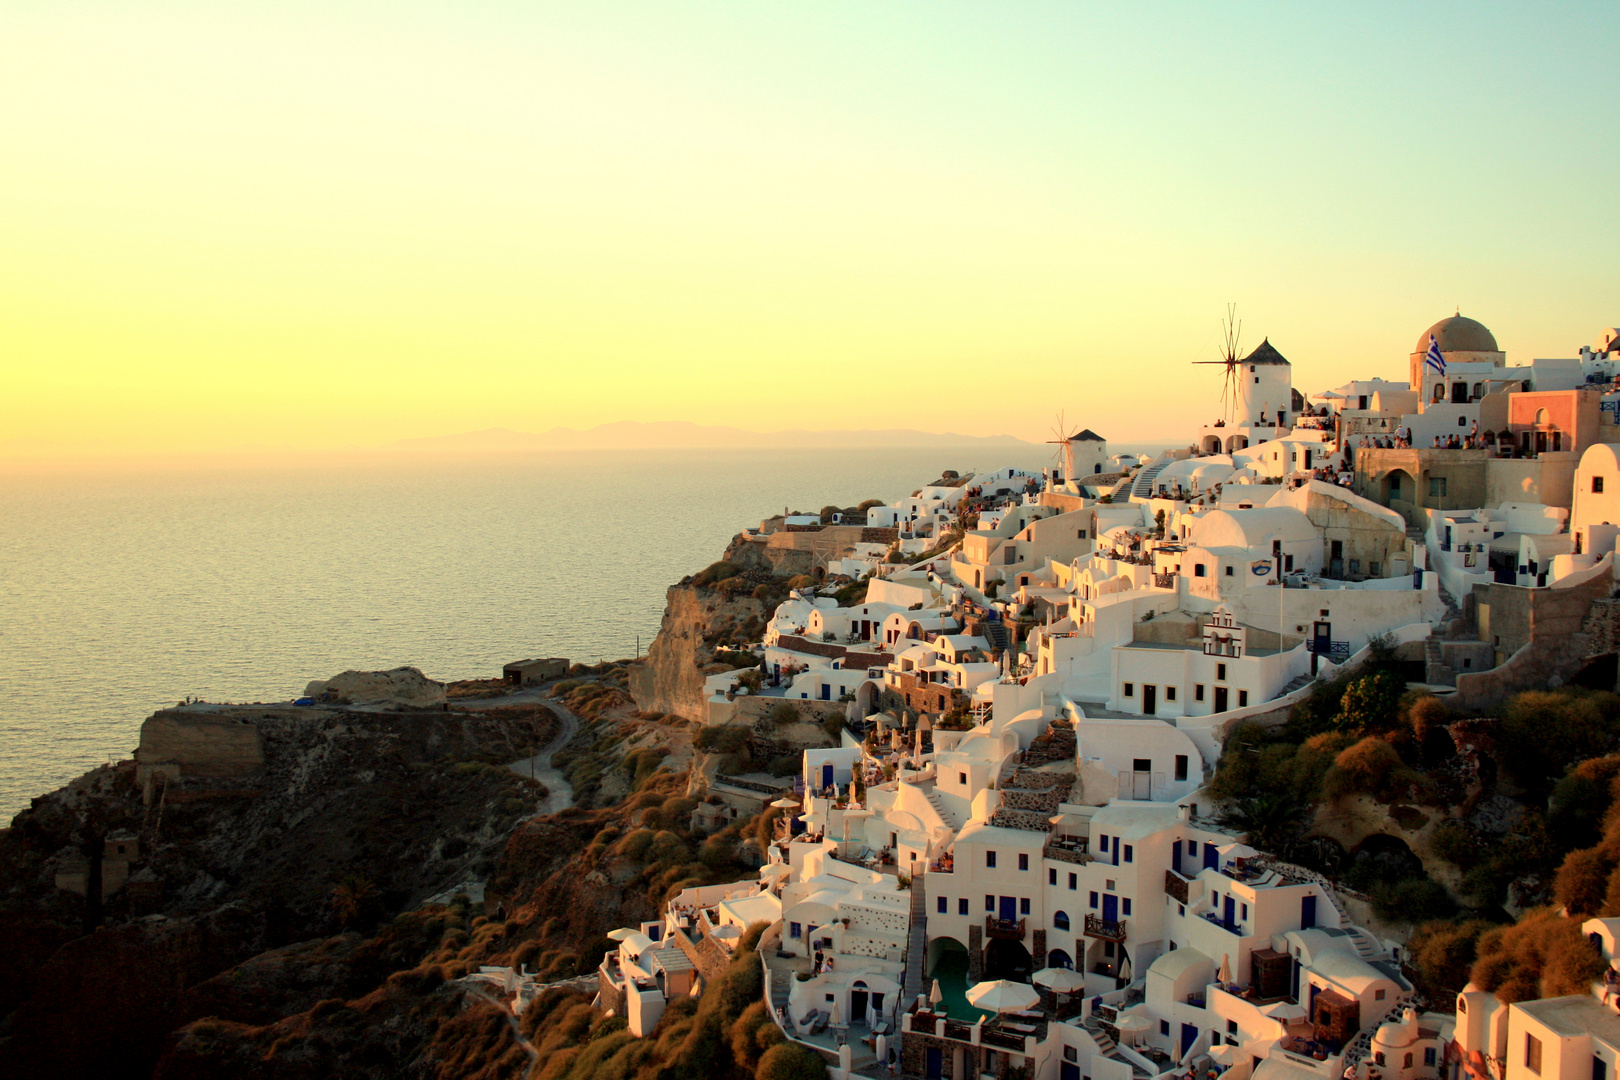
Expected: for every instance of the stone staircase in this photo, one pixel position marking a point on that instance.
(1142, 486)
(916, 943)
(996, 634)
(780, 990)
(939, 807)
(1056, 743)
(1298, 682)
(1121, 490)
(1362, 1043)
(1367, 946)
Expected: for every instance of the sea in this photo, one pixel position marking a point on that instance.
(127, 589)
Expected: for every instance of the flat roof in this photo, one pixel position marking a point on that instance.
(1575, 1016)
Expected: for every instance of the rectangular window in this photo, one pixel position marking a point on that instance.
(990, 860)
(1437, 486)
(1220, 672)
(989, 903)
(961, 778)
(1142, 764)
(1074, 882)
(1243, 699)
(1051, 875)
(1130, 853)
(1164, 1027)
(1372, 567)
(1192, 847)
(1023, 861)
(1231, 1027)
(1181, 759)
(962, 906)
(1169, 693)
(1198, 691)
(1378, 995)
(1428, 1056)
(1181, 909)
(1093, 899)
(1198, 570)
(1532, 1053)
(944, 906)
(1597, 485)
(1130, 689)
(1228, 571)
(1023, 906)
(1125, 905)
(1244, 914)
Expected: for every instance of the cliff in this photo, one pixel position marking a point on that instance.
(260, 826)
(696, 617)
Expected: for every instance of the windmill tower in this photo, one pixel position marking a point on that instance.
(1065, 443)
(1231, 378)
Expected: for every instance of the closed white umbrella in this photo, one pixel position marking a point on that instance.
(1224, 975)
(1002, 996)
(936, 995)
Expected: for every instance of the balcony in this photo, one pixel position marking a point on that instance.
(1005, 929)
(1099, 927)
(1069, 849)
(1175, 886)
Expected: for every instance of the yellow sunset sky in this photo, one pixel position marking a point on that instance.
(228, 227)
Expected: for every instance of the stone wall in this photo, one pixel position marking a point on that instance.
(1552, 625)
(177, 743)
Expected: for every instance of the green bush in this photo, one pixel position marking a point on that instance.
(726, 739)
(1414, 900)
(715, 572)
(790, 1061)
(785, 713)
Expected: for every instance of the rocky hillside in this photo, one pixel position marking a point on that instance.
(345, 816)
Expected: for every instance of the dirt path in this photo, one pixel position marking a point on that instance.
(560, 793)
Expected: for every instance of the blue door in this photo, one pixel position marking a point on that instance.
(827, 775)
(1068, 1070)
(1110, 908)
(1211, 856)
(826, 692)
(1009, 909)
(1307, 911)
(936, 1063)
(1230, 912)
(1189, 1035)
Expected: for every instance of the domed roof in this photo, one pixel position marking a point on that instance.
(1458, 333)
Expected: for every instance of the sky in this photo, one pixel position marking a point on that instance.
(300, 226)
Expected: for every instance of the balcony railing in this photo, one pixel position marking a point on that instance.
(1106, 929)
(1006, 1040)
(1005, 929)
(1175, 886)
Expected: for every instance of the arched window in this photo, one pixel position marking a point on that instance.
(1061, 920)
(1057, 958)
(1541, 418)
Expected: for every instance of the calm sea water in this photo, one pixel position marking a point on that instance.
(123, 592)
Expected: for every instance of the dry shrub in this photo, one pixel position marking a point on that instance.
(1543, 955)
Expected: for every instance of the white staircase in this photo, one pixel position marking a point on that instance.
(1142, 486)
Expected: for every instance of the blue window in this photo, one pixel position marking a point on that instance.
(962, 906)
(795, 930)
(1428, 1056)
(1130, 853)
(944, 905)
(1051, 876)
(1060, 920)
(1245, 915)
(989, 903)
(1125, 905)
(1023, 906)
(1074, 882)
(1192, 847)
(1093, 900)
(990, 860)
(1164, 1027)
(1023, 861)
(1102, 841)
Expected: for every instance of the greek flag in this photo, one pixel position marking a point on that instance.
(1433, 359)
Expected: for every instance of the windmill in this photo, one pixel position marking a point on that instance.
(1231, 332)
(1064, 440)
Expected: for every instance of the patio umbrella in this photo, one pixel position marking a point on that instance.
(936, 995)
(1224, 975)
(1286, 1011)
(785, 803)
(1133, 1023)
(1060, 980)
(1226, 1055)
(776, 870)
(621, 933)
(1002, 996)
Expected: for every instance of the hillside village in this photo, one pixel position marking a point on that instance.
(1012, 867)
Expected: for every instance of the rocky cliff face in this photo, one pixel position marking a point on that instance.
(228, 862)
(670, 680)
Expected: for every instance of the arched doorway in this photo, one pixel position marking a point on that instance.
(1007, 959)
(947, 963)
(1057, 958)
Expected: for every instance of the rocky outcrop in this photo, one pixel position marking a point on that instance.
(670, 680)
(402, 686)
